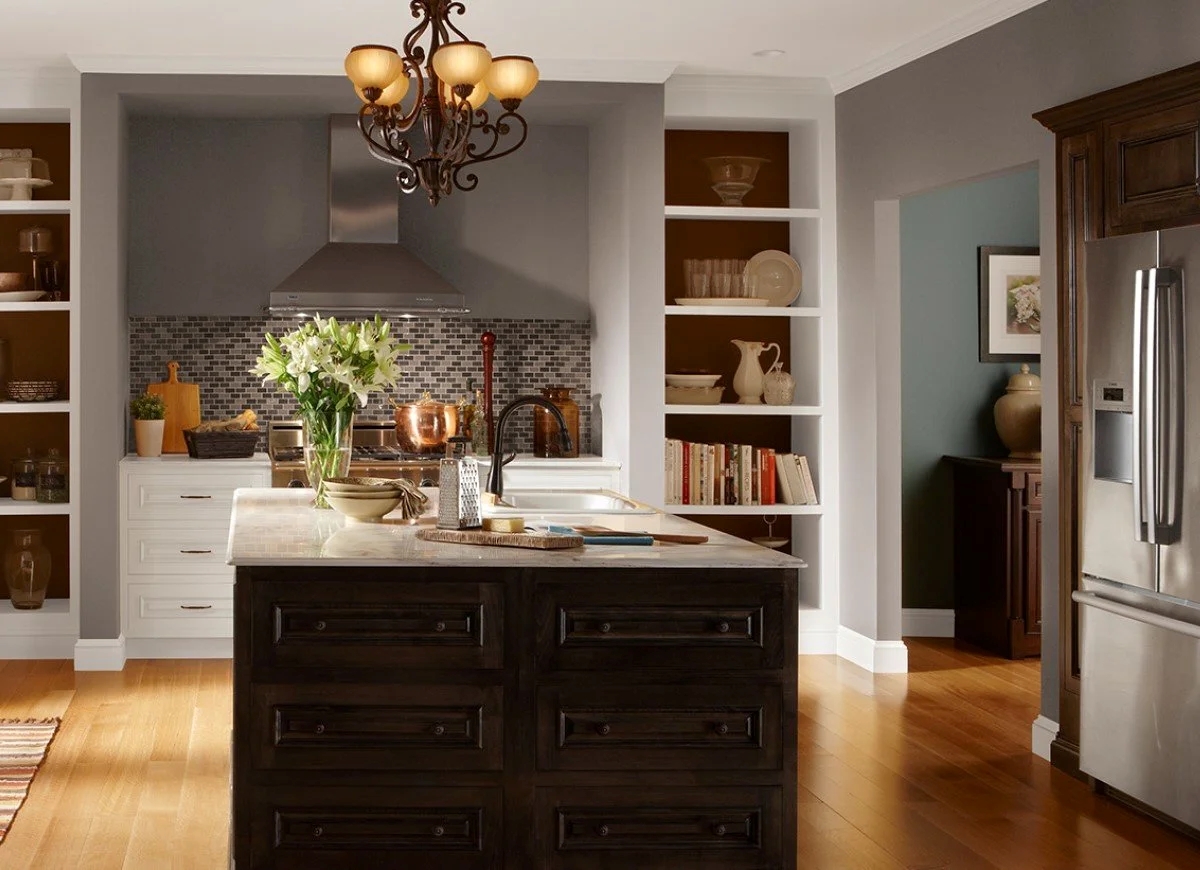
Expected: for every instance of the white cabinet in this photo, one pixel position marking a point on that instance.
(176, 590)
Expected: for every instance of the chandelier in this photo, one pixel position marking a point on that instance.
(453, 78)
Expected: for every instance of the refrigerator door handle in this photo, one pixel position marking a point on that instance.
(1169, 405)
(1143, 405)
(1091, 599)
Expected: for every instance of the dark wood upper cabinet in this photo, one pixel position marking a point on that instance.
(1152, 171)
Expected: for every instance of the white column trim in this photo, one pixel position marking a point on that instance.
(926, 622)
(100, 654)
(876, 656)
(1044, 732)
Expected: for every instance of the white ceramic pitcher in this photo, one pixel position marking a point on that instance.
(748, 379)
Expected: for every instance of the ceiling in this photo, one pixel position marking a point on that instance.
(843, 41)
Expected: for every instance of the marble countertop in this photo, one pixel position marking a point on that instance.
(182, 460)
(280, 527)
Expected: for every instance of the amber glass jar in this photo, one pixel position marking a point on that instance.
(546, 441)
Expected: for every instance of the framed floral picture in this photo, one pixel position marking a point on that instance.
(1010, 304)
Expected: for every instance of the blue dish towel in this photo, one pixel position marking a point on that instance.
(624, 540)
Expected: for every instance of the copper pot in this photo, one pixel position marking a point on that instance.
(424, 426)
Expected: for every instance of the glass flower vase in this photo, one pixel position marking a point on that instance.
(27, 569)
(327, 442)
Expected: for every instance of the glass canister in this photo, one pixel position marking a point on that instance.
(27, 569)
(545, 428)
(24, 477)
(52, 478)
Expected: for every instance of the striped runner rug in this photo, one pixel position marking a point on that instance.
(23, 746)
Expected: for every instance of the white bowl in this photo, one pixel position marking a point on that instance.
(362, 510)
(362, 484)
(694, 395)
(692, 380)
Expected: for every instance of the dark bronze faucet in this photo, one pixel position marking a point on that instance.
(495, 484)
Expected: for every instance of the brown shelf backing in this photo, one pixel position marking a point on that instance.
(39, 431)
(687, 177)
(55, 537)
(723, 240)
(747, 527)
(38, 347)
(12, 260)
(773, 432)
(52, 143)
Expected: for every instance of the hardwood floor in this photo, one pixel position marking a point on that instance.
(923, 771)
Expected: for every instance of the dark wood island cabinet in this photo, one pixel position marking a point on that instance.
(530, 716)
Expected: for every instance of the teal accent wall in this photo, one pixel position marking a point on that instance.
(947, 398)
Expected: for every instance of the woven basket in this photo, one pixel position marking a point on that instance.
(32, 391)
(220, 445)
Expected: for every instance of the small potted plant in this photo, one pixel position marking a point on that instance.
(149, 417)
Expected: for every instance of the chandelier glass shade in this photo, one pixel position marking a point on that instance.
(450, 79)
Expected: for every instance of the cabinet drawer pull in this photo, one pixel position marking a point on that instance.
(719, 830)
(721, 728)
(195, 607)
(320, 626)
(723, 627)
(320, 729)
(318, 831)
(604, 729)
(200, 496)
(602, 830)
(438, 830)
(605, 627)
(439, 730)
(196, 552)
(439, 626)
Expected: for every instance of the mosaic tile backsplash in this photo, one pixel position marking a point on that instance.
(218, 352)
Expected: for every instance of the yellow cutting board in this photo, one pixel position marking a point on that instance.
(183, 408)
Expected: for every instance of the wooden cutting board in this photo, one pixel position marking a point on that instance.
(501, 539)
(183, 408)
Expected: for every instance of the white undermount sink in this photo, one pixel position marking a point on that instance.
(528, 502)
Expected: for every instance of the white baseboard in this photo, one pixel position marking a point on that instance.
(818, 643)
(37, 646)
(1044, 732)
(876, 656)
(179, 648)
(100, 654)
(926, 622)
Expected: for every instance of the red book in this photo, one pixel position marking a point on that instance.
(687, 473)
(769, 478)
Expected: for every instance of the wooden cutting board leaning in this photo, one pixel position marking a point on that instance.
(183, 408)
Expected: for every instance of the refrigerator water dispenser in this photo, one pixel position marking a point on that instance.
(1113, 431)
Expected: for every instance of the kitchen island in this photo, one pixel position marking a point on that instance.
(401, 703)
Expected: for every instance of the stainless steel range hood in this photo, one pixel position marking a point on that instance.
(363, 270)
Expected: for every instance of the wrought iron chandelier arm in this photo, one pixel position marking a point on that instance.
(477, 153)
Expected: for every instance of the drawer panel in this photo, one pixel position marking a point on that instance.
(661, 829)
(318, 624)
(193, 497)
(164, 552)
(373, 826)
(179, 610)
(660, 728)
(651, 623)
(377, 727)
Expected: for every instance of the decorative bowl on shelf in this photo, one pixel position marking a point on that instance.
(733, 177)
(21, 175)
(11, 282)
(692, 379)
(694, 395)
(32, 391)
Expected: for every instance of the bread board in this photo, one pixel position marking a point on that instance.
(501, 539)
(183, 408)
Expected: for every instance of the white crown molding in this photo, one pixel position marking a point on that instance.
(100, 654)
(926, 622)
(551, 69)
(740, 84)
(952, 31)
(1044, 732)
(876, 656)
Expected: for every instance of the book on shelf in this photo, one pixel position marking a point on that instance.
(795, 479)
(720, 474)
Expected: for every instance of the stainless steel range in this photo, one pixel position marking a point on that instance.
(375, 453)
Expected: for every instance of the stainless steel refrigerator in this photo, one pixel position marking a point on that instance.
(1140, 601)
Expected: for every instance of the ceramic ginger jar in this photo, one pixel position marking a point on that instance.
(1018, 415)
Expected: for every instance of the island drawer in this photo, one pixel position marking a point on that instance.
(638, 620)
(660, 829)
(175, 609)
(376, 626)
(733, 727)
(377, 727)
(311, 828)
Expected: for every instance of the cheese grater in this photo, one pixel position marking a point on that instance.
(458, 489)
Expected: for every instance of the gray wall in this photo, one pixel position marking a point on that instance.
(222, 209)
(948, 393)
(961, 113)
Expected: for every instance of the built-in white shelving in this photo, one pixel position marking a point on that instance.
(55, 407)
(724, 213)
(734, 410)
(35, 206)
(746, 509)
(11, 507)
(34, 306)
(741, 311)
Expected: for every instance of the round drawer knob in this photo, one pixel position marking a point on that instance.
(604, 729)
(438, 830)
(602, 830)
(320, 729)
(605, 627)
(320, 626)
(723, 627)
(719, 830)
(439, 730)
(439, 626)
(318, 831)
(721, 728)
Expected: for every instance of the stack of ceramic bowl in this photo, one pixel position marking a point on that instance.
(693, 389)
(363, 499)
